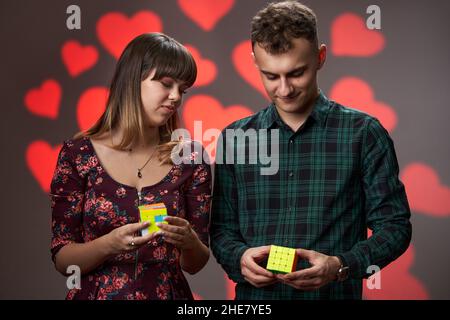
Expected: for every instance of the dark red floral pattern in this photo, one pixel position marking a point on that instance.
(87, 204)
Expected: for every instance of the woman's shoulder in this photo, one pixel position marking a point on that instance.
(77, 146)
(190, 153)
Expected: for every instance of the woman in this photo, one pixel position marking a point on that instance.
(122, 162)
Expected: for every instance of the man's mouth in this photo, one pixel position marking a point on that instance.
(288, 99)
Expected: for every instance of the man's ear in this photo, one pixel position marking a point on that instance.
(254, 59)
(322, 56)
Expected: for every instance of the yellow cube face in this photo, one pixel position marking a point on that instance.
(154, 214)
(281, 259)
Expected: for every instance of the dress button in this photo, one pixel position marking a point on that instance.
(291, 174)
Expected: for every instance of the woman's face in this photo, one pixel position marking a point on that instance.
(160, 98)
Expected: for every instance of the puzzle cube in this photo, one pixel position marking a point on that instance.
(153, 213)
(281, 259)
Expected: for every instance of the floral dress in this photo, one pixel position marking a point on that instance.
(87, 204)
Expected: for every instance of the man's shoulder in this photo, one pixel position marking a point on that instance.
(350, 116)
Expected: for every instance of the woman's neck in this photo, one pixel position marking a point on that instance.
(150, 139)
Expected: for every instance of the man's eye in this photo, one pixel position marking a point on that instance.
(298, 74)
(270, 77)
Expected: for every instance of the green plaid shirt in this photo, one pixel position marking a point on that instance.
(338, 176)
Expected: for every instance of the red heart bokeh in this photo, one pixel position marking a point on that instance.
(350, 37)
(115, 30)
(212, 115)
(206, 69)
(245, 66)
(397, 282)
(90, 106)
(205, 13)
(41, 160)
(426, 193)
(44, 101)
(78, 58)
(357, 94)
(230, 288)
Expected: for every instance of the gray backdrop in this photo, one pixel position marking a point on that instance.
(410, 74)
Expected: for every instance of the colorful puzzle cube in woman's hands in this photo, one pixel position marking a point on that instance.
(282, 259)
(152, 213)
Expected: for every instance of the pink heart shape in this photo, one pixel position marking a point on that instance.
(78, 58)
(426, 193)
(115, 30)
(357, 94)
(244, 65)
(205, 13)
(206, 69)
(90, 106)
(41, 160)
(44, 101)
(212, 115)
(350, 37)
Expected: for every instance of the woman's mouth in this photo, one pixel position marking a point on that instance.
(169, 108)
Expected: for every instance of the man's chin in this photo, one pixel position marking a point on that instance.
(291, 106)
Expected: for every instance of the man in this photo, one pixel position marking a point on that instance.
(338, 176)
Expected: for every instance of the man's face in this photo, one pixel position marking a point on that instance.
(290, 78)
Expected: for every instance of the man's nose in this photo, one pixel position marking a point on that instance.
(285, 88)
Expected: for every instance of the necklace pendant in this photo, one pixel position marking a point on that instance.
(139, 174)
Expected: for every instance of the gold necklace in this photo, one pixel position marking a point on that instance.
(139, 173)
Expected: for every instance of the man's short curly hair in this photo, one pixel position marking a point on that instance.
(275, 26)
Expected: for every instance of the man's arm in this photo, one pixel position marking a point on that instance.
(386, 205)
(227, 243)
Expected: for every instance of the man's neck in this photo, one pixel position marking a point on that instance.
(295, 120)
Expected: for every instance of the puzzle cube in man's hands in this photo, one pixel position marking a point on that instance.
(282, 259)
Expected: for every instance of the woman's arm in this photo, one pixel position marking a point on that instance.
(194, 253)
(89, 255)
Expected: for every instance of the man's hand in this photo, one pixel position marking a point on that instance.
(252, 272)
(323, 270)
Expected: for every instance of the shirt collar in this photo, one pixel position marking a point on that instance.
(319, 113)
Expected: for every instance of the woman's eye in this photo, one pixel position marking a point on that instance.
(166, 84)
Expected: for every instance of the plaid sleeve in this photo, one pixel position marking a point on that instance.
(386, 205)
(227, 243)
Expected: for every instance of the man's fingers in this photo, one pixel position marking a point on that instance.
(305, 254)
(305, 283)
(258, 280)
(257, 269)
(302, 274)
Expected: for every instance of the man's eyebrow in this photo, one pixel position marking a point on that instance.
(298, 69)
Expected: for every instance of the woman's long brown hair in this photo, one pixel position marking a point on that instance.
(147, 52)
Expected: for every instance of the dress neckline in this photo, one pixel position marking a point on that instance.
(94, 153)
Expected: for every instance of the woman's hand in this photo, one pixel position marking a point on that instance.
(125, 239)
(178, 232)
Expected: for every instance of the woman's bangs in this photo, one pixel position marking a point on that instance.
(177, 64)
